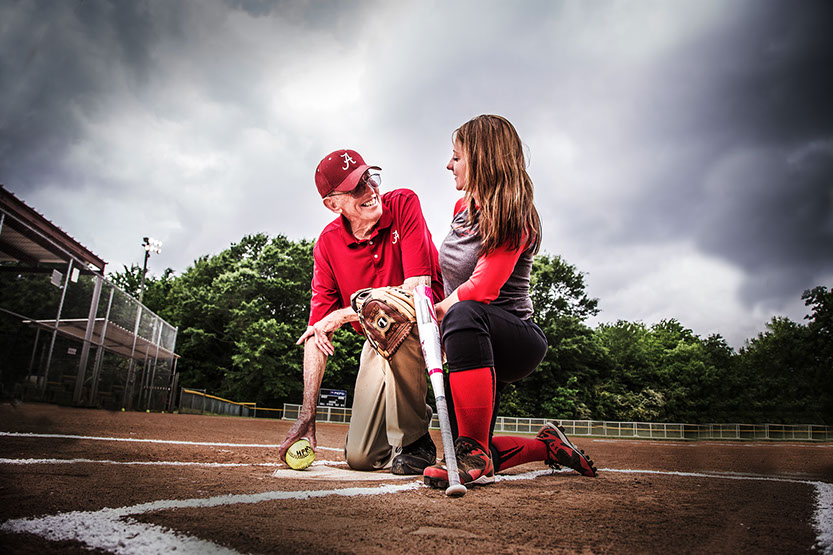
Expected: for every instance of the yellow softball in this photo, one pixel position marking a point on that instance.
(300, 455)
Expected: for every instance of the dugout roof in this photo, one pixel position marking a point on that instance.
(27, 236)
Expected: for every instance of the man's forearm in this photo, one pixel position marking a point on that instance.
(345, 315)
(315, 362)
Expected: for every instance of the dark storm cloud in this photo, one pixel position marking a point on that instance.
(771, 212)
(698, 132)
(256, 8)
(762, 73)
(738, 146)
(60, 61)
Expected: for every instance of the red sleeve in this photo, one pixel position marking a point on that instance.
(490, 273)
(325, 295)
(417, 245)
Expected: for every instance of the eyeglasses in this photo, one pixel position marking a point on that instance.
(373, 180)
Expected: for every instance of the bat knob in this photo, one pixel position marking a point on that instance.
(457, 490)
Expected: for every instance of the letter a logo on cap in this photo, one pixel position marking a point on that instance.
(331, 175)
(347, 160)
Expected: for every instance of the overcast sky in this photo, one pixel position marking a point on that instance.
(682, 151)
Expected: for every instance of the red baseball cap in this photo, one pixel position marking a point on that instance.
(340, 170)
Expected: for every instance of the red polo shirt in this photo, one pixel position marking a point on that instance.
(400, 247)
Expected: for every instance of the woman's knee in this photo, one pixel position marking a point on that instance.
(467, 337)
(464, 315)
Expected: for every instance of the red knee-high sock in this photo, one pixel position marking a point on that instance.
(473, 392)
(511, 451)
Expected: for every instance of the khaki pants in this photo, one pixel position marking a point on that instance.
(389, 408)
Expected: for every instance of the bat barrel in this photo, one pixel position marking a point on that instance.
(429, 338)
(455, 488)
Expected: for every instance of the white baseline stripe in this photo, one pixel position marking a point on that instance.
(153, 463)
(823, 514)
(150, 463)
(695, 443)
(138, 440)
(822, 519)
(105, 529)
(712, 475)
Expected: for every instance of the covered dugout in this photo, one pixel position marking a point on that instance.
(67, 335)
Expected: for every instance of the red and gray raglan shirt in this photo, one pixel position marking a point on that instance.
(499, 278)
(400, 247)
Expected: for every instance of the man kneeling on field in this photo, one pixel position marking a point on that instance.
(377, 240)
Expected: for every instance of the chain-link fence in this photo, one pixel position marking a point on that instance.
(660, 430)
(72, 337)
(624, 430)
(197, 401)
(68, 335)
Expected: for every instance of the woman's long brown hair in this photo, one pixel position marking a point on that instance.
(496, 176)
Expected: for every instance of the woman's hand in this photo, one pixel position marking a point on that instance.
(442, 307)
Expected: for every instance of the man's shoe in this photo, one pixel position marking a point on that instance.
(415, 457)
(561, 451)
(474, 465)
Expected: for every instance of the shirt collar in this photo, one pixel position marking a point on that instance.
(385, 221)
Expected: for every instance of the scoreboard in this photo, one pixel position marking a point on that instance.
(332, 398)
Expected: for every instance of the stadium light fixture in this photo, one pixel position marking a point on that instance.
(150, 245)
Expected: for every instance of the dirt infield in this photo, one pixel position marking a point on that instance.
(75, 480)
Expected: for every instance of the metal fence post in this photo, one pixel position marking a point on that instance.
(85, 348)
(55, 330)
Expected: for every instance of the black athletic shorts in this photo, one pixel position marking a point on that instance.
(478, 335)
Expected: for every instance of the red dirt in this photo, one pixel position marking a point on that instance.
(562, 512)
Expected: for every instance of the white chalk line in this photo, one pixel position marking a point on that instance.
(105, 529)
(822, 516)
(161, 441)
(822, 521)
(104, 461)
(154, 463)
(694, 443)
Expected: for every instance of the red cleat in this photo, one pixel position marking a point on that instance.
(561, 451)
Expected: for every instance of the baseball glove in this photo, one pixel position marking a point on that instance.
(386, 315)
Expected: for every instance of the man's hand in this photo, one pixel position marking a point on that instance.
(315, 362)
(411, 282)
(322, 331)
(303, 427)
(320, 338)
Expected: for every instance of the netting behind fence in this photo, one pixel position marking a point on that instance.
(197, 401)
(635, 430)
(67, 334)
(98, 346)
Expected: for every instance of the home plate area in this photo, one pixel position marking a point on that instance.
(74, 480)
(336, 472)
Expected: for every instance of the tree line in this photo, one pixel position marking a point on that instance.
(240, 312)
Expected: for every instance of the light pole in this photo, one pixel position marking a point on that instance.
(150, 244)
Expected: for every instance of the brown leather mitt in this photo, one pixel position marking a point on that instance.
(386, 315)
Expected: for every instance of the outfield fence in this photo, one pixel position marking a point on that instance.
(634, 430)
(198, 401)
(654, 430)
